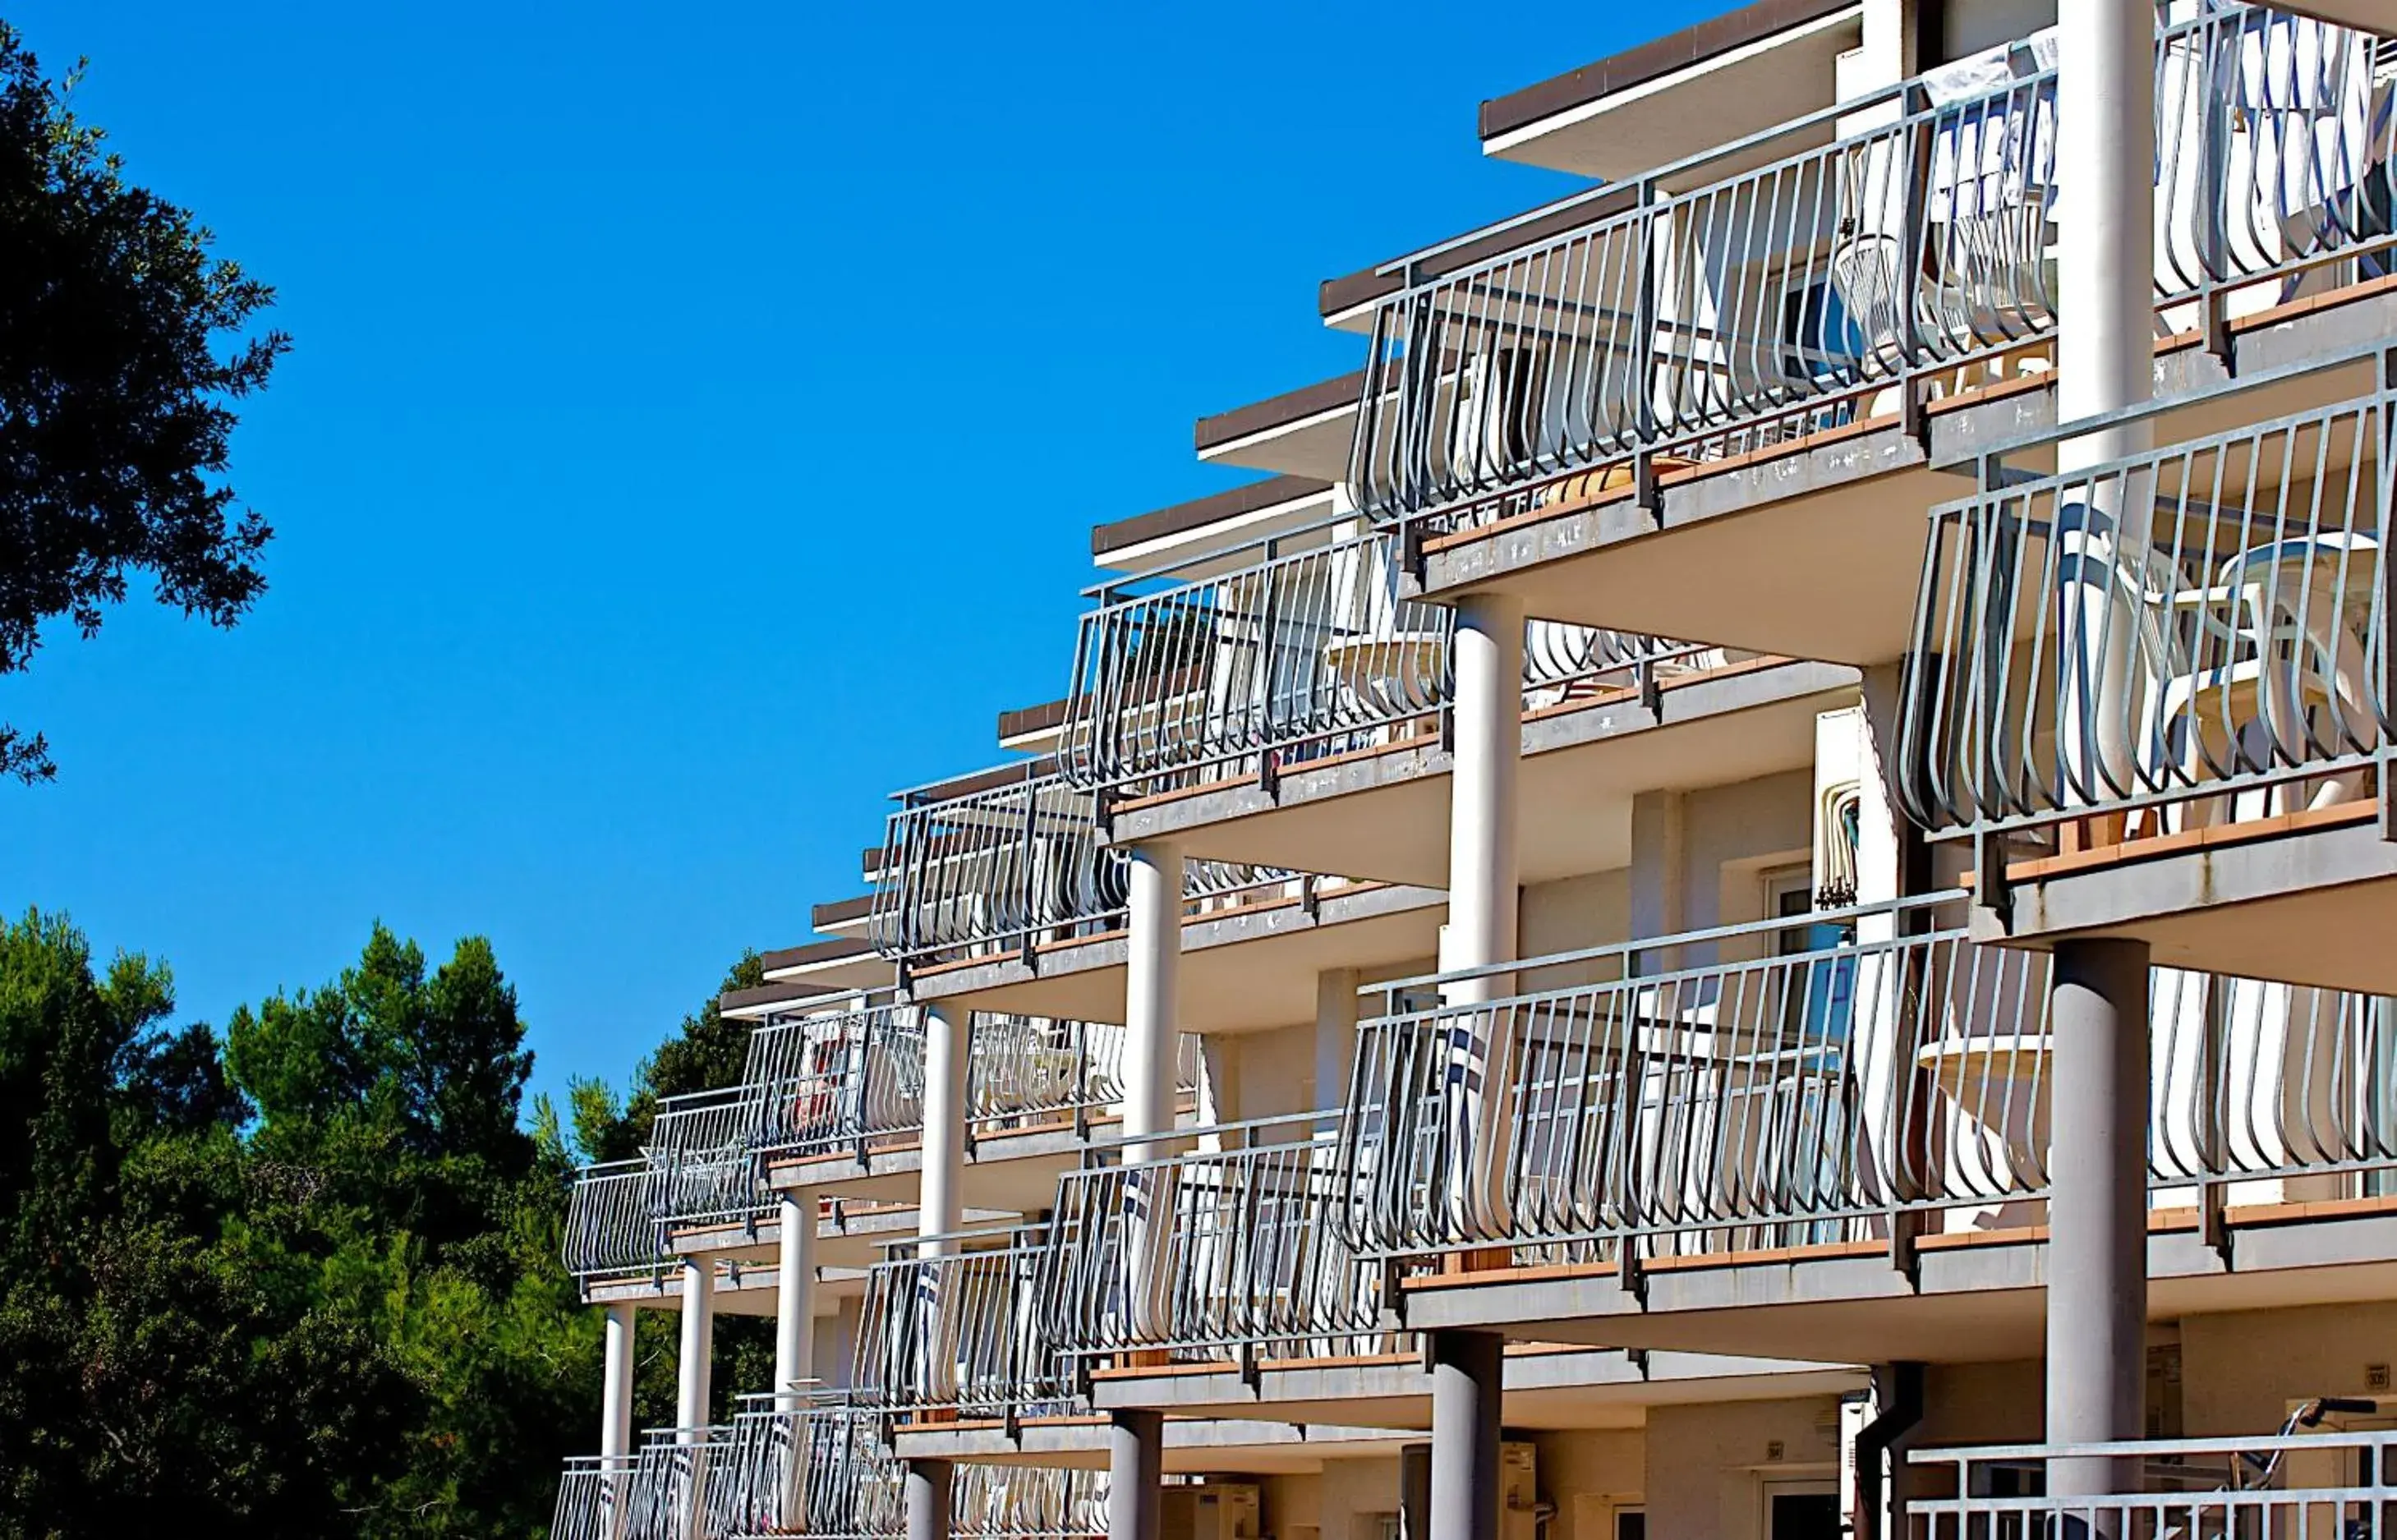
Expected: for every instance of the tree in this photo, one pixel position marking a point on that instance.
(115, 415)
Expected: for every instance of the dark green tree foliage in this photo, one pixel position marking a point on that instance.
(305, 1285)
(115, 415)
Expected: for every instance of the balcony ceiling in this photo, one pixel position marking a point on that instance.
(1627, 133)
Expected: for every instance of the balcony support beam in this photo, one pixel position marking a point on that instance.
(941, 1202)
(1466, 1370)
(692, 1363)
(794, 1296)
(2097, 1208)
(1135, 1475)
(930, 1487)
(616, 1390)
(1151, 980)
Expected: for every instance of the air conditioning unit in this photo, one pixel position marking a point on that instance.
(1217, 1510)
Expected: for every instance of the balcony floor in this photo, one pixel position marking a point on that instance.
(1192, 1446)
(1547, 1387)
(1383, 813)
(2309, 898)
(1816, 549)
(1977, 1297)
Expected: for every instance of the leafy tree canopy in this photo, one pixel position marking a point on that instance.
(114, 414)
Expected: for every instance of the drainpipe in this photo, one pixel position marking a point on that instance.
(1899, 1388)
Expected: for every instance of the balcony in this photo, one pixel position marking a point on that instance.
(834, 1101)
(1712, 405)
(1000, 893)
(2154, 695)
(1240, 1304)
(1845, 1117)
(1283, 700)
(824, 1470)
(956, 1336)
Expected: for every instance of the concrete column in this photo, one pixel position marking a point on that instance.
(2097, 1273)
(795, 1296)
(692, 1365)
(1483, 888)
(1335, 1038)
(1483, 900)
(616, 1390)
(1150, 975)
(2097, 1208)
(2105, 353)
(929, 1484)
(1135, 1474)
(2106, 142)
(1660, 871)
(941, 1196)
(1466, 1378)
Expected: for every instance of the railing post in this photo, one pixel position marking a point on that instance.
(1914, 417)
(1644, 309)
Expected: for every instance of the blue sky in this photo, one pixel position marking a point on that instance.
(695, 422)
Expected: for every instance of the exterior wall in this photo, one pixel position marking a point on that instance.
(1708, 1466)
(1572, 914)
(2240, 1371)
(1588, 1476)
(1969, 26)
(1350, 1495)
(1277, 1072)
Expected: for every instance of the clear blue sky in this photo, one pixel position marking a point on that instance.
(695, 422)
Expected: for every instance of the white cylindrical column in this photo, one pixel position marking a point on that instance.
(2097, 1209)
(1135, 1475)
(2105, 353)
(2105, 135)
(1150, 976)
(930, 1499)
(1467, 1371)
(1487, 658)
(1482, 902)
(616, 1390)
(692, 1366)
(794, 1296)
(942, 1201)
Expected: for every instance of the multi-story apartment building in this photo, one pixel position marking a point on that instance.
(1756, 893)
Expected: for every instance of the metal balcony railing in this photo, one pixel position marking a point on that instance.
(1290, 648)
(961, 1330)
(1810, 1080)
(822, 1470)
(1234, 1245)
(1779, 285)
(2192, 635)
(612, 1221)
(2319, 1485)
(1014, 864)
(594, 1497)
(824, 1083)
